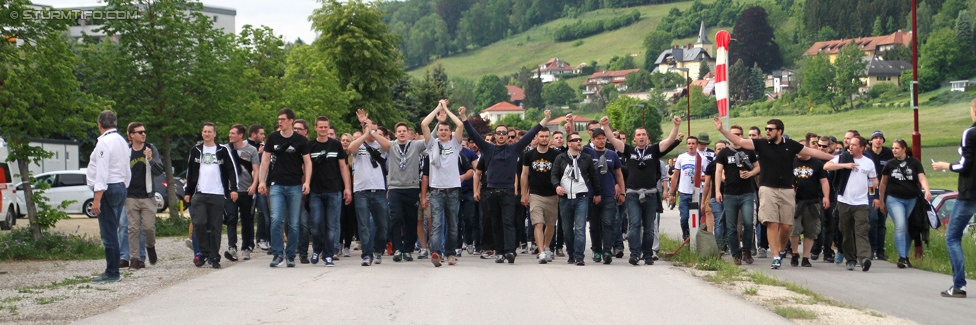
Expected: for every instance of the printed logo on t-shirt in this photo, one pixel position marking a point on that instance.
(325, 153)
(803, 172)
(209, 159)
(447, 150)
(361, 152)
(542, 166)
(908, 175)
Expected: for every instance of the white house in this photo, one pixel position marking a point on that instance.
(498, 111)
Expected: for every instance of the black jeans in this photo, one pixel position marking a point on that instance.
(348, 224)
(824, 242)
(500, 209)
(207, 215)
(243, 211)
(304, 229)
(263, 217)
(471, 226)
(403, 218)
(487, 229)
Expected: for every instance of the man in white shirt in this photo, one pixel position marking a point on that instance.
(683, 183)
(856, 175)
(445, 185)
(108, 176)
(369, 188)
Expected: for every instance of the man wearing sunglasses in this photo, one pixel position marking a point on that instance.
(575, 178)
(140, 207)
(501, 161)
(777, 198)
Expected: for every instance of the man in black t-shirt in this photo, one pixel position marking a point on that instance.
(538, 194)
(643, 164)
(880, 155)
(263, 216)
(330, 189)
(140, 206)
(812, 196)
(285, 183)
(777, 199)
(738, 167)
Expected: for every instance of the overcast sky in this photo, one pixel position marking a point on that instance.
(288, 18)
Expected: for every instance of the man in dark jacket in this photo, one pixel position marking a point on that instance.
(210, 177)
(575, 179)
(965, 205)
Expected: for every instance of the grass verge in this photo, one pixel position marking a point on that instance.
(171, 227)
(19, 245)
(795, 313)
(936, 255)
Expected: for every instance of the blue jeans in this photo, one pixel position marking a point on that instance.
(113, 199)
(962, 213)
(603, 218)
(900, 209)
(403, 218)
(734, 205)
(372, 212)
(719, 216)
(264, 221)
(124, 239)
(325, 209)
(684, 206)
(640, 229)
(444, 206)
(286, 205)
(573, 212)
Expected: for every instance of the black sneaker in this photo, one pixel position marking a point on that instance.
(634, 259)
(580, 262)
(648, 261)
(607, 258)
(954, 292)
(198, 262)
(151, 254)
(571, 261)
(303, 259)
(510, 257)
(290, 262)
(814, 257)
(277, 261)
(866, 265)
(850, 265)
(620, 253)
(880, 255)
(215, 263)
(902, 262)
(499, 259)
(806, 262)
(795, 260)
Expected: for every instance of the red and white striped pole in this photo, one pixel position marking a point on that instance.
(722, 39)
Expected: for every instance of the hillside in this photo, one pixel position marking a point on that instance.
(536, 45)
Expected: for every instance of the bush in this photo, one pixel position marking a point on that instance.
(948, 98)
(172, 226)
(884, 91)
(19, 244)
(46, 215)
(583, 29)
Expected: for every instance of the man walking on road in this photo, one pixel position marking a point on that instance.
(683, 182)
(575, 179)
(248, 164)
(140, 206)
(964, 208)
(603, 215)
(329, 190)
(538, 195)
(445, 185)
(777, 200)
(284, 184)
(812, 197)
(369, 188)
(501, 160)
(734, 169)
(404, 184)
(108, 175)
(855, 176)
(210, 176)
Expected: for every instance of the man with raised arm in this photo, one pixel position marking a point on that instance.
(444, 182)
(501, 160)
(369, 187)
(776, 195)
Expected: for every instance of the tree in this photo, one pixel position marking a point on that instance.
(665, 80)
(702, 105)
(489, 91)
(461, 92)
(898, 53)
(312, 89)
(827, 33)
(942, 54)
(817, 77)
(704, 70)
(428, 37)
(739, 75)
(171, 71)
(924, 16)
(878, 28)
(39, 95)
(357, 45)
(755, 41)
(627, 114)
(964, 33)
(621, 63)
(260, 56)
(655, 42)
(533, 94)
(849, 69)
(639, 81)
(757, 83)
(427, 92)
(558, 93)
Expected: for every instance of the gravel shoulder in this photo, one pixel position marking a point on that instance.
(59, 292)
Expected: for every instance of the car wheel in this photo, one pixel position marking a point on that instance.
(8, 220)
(160, 202)
(88, 209)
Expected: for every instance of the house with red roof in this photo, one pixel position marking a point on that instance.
(501, 109)
(871, 46)
(515, 95)
(554, 67)
(600, 79)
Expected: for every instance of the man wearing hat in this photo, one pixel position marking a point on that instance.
(880, 155)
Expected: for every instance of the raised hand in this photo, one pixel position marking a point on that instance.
(362, 116)
(462, 113)
(717, 122)
(676, 120)
(605, 121)
(548, 116)
(442, 115)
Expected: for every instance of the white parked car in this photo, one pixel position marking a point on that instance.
(65, 185)
(8, 200)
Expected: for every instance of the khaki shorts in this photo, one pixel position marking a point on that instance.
(776, 205)
(807, 220)
(543, 209)
(423, 213)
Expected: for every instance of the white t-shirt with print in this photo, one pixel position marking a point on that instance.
(209, 182)
(856, 192)
(365, 177)
(685, 164)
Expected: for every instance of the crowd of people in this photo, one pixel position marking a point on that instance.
(514, 192)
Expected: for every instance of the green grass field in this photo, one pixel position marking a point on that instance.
(536, 45)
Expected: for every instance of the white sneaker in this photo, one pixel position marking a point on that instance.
(548, 255)
(246, 254)
(543, 258)
(345, 252)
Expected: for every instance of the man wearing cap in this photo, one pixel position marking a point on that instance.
(880, 155)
